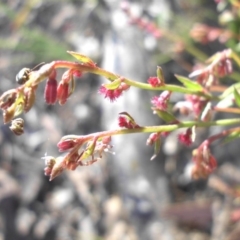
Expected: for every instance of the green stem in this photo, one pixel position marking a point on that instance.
(235, 57)
(168, 87)
(112, 77)
(224, 133)
(163, 128)
(196, 52)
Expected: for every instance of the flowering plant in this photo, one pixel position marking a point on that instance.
(202, 99)
(200, 102)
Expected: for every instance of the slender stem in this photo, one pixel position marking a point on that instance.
(220, 135)
(236, 58)
(86, 68)
(229, 110)
(162, 128)
(112, 77)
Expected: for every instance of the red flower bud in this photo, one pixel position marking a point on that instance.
(62, 93)
(153, 138)
(76, 73)
(155, 82)
(50, 93)
(66, 145)
(186, 137)
(161, 102)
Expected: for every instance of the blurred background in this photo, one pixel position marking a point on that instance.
(124, 196)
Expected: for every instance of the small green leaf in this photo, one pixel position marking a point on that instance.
(114, 84)
(82, 58)
(188, 83)
(160, 74)
(89, 150)
(236, 97)
(166, 116)
(157, 147)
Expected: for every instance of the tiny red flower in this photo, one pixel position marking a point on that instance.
(186, 137)
(62, 92)
(125, 120)
(155, 82)
(67, 76)
(122, 122)
(153, 138)
(224, 67)
(161, 102)
(198, 103)
(76, 73)
(50, 92)
(205, 162)
(109, 93)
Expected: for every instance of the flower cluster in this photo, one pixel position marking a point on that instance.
(204, 34)
(80, 152)
(204, 162)
(15, 101)
(113, 94)
(161, 102)
(220, 66)
(85, 150)
(141, 22)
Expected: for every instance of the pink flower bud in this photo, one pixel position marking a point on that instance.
(153, 138)
(62, 93)
(161, 102)
(155, 82)
(76, 73)
(66, 145)
(127, 121)
(50, 92)
(67, 76)
(106, 140)
(186, 138)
